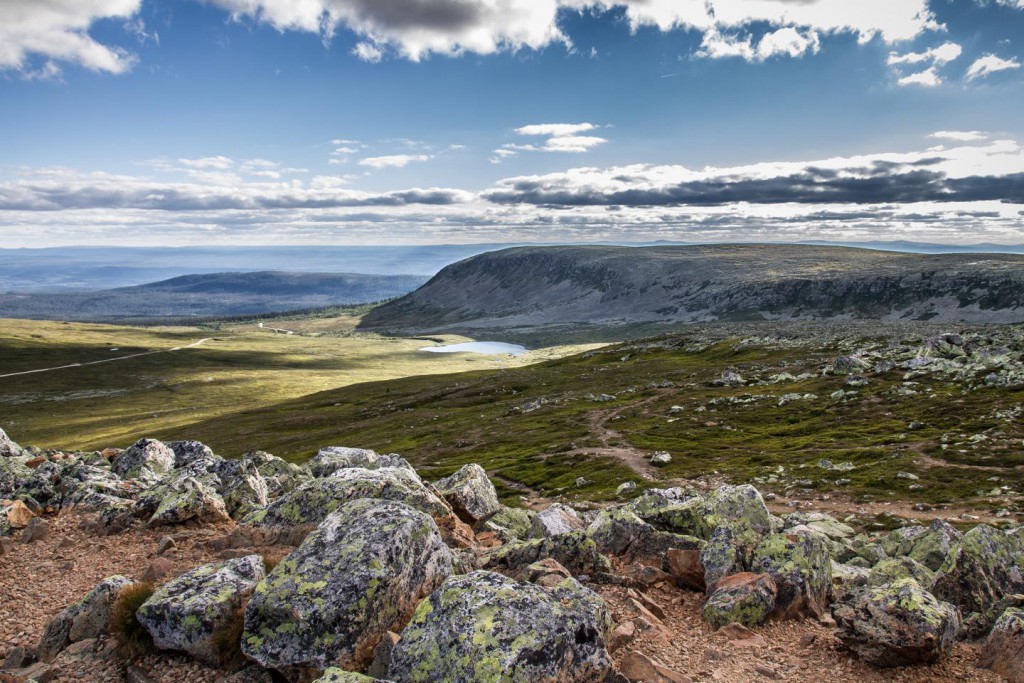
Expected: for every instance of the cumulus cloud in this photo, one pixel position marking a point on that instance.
(993, 172)
(561, 137)
(415, 29)
(393, 161)
(58, 31)
(990, 64)
(935, 58)
(959, 135)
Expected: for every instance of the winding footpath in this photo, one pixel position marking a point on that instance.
(108, 360)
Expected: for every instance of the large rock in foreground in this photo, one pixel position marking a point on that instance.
(897, 625)
(358, 576)
(985, 567)
(192, 612)
(310, 503)
(146, 460)
(747, 599)
(486, 628)
(470, 493)
(88, 618)
(1004, 649)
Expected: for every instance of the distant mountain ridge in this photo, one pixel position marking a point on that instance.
(543, 286)
(210, 295)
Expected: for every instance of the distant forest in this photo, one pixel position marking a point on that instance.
(209, 296)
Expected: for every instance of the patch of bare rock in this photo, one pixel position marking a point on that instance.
(165, 562)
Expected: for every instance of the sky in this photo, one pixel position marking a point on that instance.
(265, 122)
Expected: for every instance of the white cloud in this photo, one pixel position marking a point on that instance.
(58, 31)
(219, 163)
(959, 135)
(368, 52)
(990, 64)
(555, 129)
(561, 137)
(938, 56)
(393, 161)
(415, 29)
(935, 58)
(928, 78)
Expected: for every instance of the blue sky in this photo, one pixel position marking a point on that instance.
(408, 121)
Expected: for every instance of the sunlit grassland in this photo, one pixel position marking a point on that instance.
(240, 367)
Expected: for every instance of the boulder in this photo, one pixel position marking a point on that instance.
(509, 523)
(686, 568)
(18, 515)
(188, 452)
(146, 460)
(898, 624)
(933, 546)
(614, 530)
(555, 520)
(12, 475)
(574, 550)
(983, 568)
(280, 475)
(890, 571)
(747, 599)
(8, 449)
(721, 557)
(652, 500)
(312, 502)
(1004, 649)
(470, 493)
(800, 565)
(188, 498)
(242, 487)
(329, 460)
(86, 619)
(336, 675)
(196, 611)
(358, 576)
(487, 628)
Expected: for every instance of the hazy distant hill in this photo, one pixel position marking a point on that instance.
(535, 287)
(210, 295)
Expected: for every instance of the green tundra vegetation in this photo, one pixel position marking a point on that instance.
(571, 421)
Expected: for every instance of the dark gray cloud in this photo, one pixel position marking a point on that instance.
(882, 183)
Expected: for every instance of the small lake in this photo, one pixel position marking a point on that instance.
(483, 347)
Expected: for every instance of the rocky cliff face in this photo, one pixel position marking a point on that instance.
(550, 286)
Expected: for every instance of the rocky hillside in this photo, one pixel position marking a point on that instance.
(353, 569)
(538, 287)
(209, 295)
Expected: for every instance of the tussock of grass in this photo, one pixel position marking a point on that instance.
(271, 558)
(132, 638)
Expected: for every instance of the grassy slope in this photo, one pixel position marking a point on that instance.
(443, 422)
(241, 367)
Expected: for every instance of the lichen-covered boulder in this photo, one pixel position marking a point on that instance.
(335, 675)
(687, 517)
(721, 557)
(574, 550)
(146, 460)
(12, 475)
(978, 625)
(358, 576)
(650, 501)
(470, 493)
(747, 599)
(741, 509)
(933, 546)
(188, 452)
(90, 488)
(890, 571)
(193, 611)
(509, 523)
(555, 520)
(1004, 649)
(88, 618)
(310, 503)
(242, 487)
(849, 576)
(487, 628)
(800, 565)
(984, 567)
(8, 449)
(898, 624)
(185, 499)
(614, 530)
(329, 460)
(280, 475)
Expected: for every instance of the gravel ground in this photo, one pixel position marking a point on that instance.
(40, 579)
